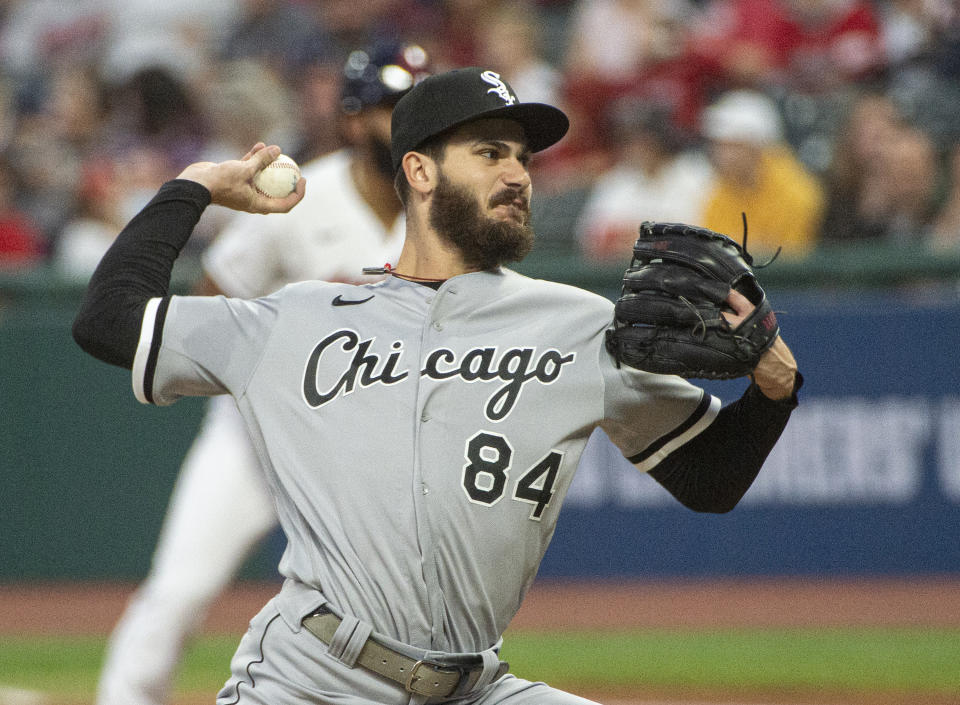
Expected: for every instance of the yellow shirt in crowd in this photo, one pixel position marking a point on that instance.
(785, 209)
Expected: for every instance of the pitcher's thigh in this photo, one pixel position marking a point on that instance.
(517, 691)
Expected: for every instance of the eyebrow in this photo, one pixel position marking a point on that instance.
(525, 152)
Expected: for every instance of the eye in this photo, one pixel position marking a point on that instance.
(488, 153)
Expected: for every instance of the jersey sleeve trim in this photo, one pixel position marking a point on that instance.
(148, 349)
(703, 416)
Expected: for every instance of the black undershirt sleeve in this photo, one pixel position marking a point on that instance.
(713, 471)
(136, 268)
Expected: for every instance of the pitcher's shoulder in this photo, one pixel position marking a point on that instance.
(559, 293)
(310, 291)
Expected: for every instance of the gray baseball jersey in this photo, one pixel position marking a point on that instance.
(419, 442)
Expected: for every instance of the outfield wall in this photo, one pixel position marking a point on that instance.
(865, 481)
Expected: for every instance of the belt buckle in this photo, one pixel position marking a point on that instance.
(436, 669)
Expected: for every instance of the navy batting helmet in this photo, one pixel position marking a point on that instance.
(381, 74)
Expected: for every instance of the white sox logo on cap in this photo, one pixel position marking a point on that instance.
(446, 100)
(499, 87)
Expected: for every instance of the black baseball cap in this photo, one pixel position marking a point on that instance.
(450, 99)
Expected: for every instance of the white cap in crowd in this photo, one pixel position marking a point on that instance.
(743, 116)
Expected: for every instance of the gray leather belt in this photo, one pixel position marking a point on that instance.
(422, 677)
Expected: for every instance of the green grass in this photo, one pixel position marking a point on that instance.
(870, 660)
(66, 665)
(70, 665)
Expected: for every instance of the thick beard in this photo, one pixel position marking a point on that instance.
(483, 242)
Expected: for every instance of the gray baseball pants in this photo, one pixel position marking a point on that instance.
(275, 665)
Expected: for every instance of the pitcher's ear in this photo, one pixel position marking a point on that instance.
(421, 170)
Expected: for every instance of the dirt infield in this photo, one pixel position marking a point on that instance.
(93, 608)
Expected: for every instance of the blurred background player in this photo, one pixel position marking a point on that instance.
(220, 509)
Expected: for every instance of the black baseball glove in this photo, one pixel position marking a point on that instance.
(668, 317)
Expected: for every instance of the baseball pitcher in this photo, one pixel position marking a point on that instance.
(418, 434)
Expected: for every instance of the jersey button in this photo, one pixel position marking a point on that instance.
(424, 417)
(437, 325)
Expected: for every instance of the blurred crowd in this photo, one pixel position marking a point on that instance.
(823, 121)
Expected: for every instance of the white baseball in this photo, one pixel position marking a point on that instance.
(278, 178)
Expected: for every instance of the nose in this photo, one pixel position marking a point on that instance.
(515, 174)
